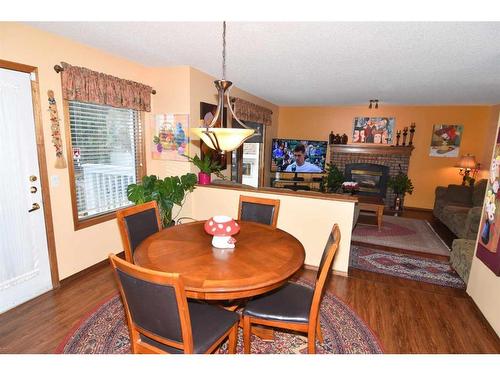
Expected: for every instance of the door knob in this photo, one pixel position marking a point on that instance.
(33, 178)
(34, 207)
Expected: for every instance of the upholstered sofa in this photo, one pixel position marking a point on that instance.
(459, 208)
(462, 252)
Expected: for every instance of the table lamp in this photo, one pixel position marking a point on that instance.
(467, 164)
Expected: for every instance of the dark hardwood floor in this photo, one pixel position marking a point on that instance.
(407, 316)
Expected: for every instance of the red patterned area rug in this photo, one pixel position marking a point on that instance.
(402, 233)
(405, 266)
(104, 331)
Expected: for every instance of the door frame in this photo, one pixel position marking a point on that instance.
(42, 164)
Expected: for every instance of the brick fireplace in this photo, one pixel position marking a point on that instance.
(389, 156)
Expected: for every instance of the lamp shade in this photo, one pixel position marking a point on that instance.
(222, 139)
(467, 162)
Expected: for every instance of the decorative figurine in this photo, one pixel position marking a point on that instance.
(398, 135)
(412, 132)
(405, 133)
(331, 138)
(344, 139)
(222, 228)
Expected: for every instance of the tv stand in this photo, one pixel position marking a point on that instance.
(297, 183)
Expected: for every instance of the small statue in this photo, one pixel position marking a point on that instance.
(412, 132)
(405, 133)
(398, 135)
(344, 139)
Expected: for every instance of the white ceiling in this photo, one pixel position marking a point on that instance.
(319, 63)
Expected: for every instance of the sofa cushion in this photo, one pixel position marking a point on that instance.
(454, 217)
(460, 195)
(478, 193)
(461, 257)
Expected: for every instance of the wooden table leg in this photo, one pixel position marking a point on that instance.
(380, 213)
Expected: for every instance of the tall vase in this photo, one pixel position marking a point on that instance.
(203, 178)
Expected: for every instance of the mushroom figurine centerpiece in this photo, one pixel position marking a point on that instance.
(222, 228)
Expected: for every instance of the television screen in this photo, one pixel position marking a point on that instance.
(298, 156)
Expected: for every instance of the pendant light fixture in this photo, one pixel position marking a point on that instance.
(223, 139)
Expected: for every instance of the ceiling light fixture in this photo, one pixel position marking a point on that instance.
(223, 139)
(372, 101)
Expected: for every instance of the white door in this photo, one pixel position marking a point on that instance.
(24, 259)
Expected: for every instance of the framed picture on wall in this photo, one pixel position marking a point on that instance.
(488, 246)
(207, 113)
(170, 137)
(373, 130)
(445, 141)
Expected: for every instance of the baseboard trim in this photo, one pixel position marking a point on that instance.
(334, 272)
(418, 209)
(87, 270)
(482, 317)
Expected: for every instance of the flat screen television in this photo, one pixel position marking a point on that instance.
(298, 156)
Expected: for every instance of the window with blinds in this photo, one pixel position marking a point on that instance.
(107, 146)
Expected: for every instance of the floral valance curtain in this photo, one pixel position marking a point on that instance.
(85, 85)
(247, 111)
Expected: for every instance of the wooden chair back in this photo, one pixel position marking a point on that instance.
(325, 266)
(155, 306)
(136, 223)
(260, 210)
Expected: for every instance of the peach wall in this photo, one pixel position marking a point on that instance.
(76, 250)
(425, 172)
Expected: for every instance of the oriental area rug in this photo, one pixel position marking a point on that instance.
(402, 233)
(405, 266)
(104, 331)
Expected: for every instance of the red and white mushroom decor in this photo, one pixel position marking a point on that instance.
(222, 228)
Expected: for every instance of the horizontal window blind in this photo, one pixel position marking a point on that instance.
(107, 156)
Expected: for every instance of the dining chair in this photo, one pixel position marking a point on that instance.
(260, 210)
(137, 223)
(160, 318)
(293, 306)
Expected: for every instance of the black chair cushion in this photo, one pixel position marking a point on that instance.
(140, 226)
(208, 324)
(290, 303)
(260, 213)
(152, 306)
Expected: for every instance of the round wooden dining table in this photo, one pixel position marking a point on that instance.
(263, 259)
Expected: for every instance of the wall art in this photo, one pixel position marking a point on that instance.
(445, 141)
(170, 137)
(373, 130)
(488, 247)
(56, 131)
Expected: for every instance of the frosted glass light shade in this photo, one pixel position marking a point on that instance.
(467, 162)
(223, 139)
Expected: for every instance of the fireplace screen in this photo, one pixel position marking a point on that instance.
(371, 178)
(367, 180)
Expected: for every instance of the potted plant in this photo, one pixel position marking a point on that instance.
(207, 166)
(333, 179)
(400, 185)
(166, 192)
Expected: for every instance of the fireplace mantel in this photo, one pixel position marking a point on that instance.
(372, 149)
